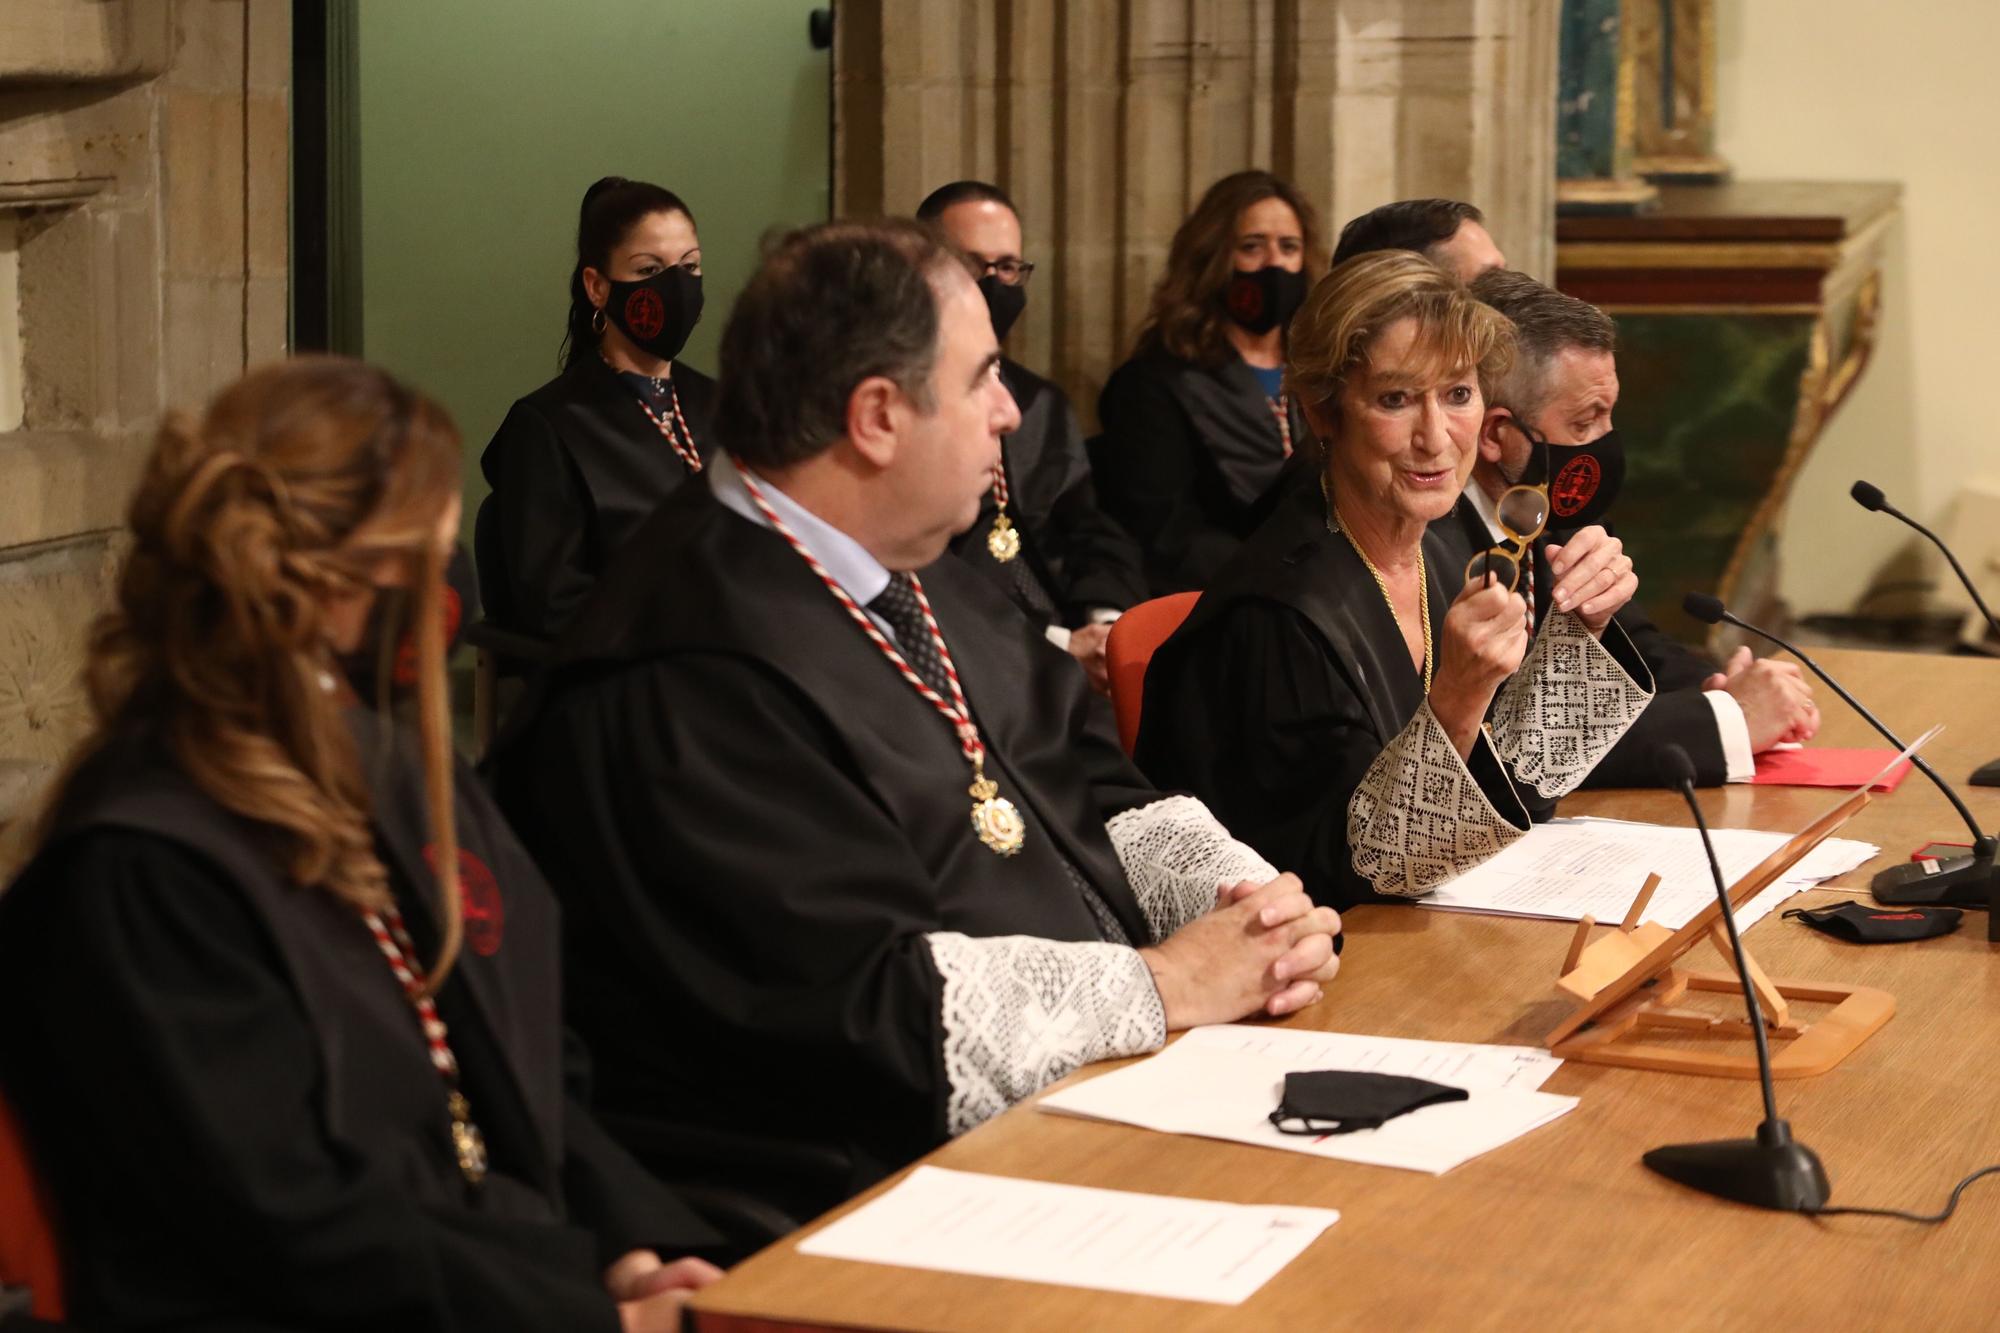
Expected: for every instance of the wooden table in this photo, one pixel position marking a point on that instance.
(1564, 1228)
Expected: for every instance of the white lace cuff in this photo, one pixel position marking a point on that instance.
(1020, 1013)
(1566, 707)
(1176, 855)
(1419, 817)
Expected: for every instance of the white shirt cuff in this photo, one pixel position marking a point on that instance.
(1735, 730)
(1103, 615)
(1059, 636)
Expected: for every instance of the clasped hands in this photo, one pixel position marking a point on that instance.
(1264, 949)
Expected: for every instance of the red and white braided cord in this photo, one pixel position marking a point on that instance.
(1280, 409)
(687, 451)
(1000, 486)
(955, 712)
(396, 946)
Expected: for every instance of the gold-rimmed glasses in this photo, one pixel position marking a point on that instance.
(1523, 515)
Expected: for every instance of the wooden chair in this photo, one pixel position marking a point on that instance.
(28, 1253)
(1134, 638)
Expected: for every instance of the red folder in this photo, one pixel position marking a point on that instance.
(1822, 767)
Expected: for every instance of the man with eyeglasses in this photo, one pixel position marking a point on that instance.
(1040, 534)
(1548, 421)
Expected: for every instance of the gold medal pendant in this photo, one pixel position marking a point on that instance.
(1004, 543)
(994, 818)
(466, 1140)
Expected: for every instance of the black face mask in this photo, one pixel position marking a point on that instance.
(658, 313)
(389, 619)
(1339, 1101)
(1265, 298)
(1004, 303)
(1865, 923)
(1583, 479)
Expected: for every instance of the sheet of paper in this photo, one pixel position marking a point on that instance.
(1073, 1236)
(1569, 868)
(1223, 1082)
(1823, 766)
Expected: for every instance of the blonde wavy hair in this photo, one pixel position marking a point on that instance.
(1332, 334)
(293, 489)
(1187, 317)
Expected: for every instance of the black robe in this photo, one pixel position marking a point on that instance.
(1678, 714)
(234, 1105)
(754, 822)
(1077, 557)
(575, 468)
(1285, 684)
(1189, 462)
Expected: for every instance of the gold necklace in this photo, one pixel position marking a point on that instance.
(1382, 584)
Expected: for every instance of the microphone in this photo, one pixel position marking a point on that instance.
(1772, 1170)
(1963, 881)
(1870, 497)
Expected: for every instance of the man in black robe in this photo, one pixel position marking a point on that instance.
(1561, 391)
(1073, 569)
(800, 874)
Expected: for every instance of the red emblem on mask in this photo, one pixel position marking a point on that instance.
(1246, 300)
(1895, 916)
(479, 894)
(1575, 485)
(405, 673)
(645, 314)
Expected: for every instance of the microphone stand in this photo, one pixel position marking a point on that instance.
(1870, 497)
(1773, 1170)
(1962, 881)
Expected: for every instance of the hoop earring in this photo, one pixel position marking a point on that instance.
(597, 320)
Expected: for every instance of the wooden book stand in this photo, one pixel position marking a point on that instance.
(1629, 981)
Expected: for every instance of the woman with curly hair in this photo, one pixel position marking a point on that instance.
(278, 992)
(1197, 424)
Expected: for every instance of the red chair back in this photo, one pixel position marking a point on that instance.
(1134, 638)
(28, 1256)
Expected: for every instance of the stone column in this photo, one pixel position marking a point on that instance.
(144, 150)
(1105, 122)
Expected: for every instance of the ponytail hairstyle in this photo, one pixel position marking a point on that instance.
(611, 208)
(295, 487)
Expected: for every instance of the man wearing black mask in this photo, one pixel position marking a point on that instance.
(1549, 419)
(1040, 534)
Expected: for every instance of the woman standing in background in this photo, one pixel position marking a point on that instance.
(581, 462)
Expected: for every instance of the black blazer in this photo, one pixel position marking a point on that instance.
(257, 1134)
(1677, 715)
(1189, 462)
(1080, 558)
(575, 468)
(753, 822)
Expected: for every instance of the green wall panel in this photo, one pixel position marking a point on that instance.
(481, 123)
(1706, 407)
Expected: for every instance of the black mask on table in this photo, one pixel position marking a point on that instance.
(1865, 923)
(1340, 1101)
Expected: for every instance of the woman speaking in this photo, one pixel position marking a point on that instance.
(1357, 695)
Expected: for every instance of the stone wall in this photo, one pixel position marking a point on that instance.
(144, 151)
(1106, 121)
